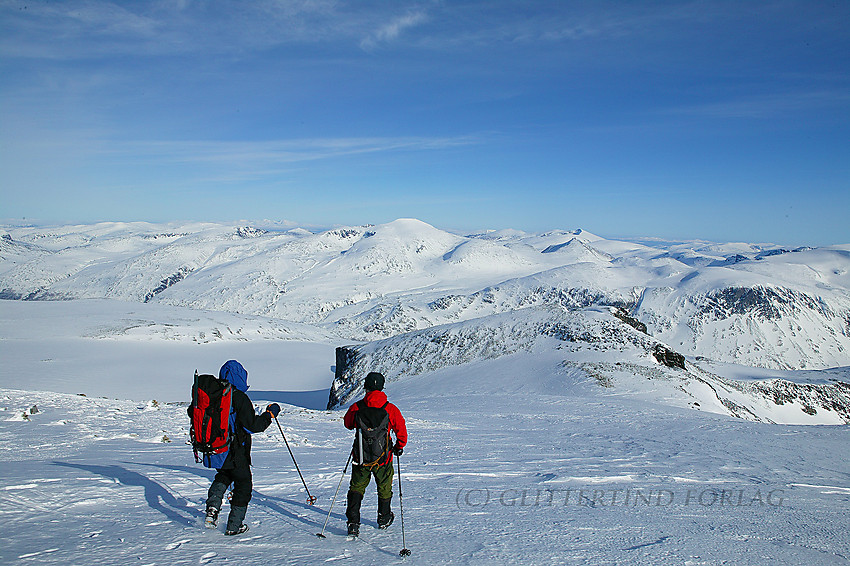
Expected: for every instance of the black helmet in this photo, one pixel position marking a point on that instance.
(374, 381)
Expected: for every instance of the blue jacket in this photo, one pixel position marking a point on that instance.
(246, 421)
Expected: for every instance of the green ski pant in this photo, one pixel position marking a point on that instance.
(361, 475)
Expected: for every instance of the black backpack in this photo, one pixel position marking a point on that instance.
(372, 434)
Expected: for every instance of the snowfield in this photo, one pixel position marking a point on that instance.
(570, 399)
(504, 466)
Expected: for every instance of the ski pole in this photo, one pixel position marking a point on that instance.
(342, 477)
(404, 551)
(310, 499)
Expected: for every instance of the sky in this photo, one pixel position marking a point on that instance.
(717, 120)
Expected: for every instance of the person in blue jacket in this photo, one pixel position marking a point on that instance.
(236, 468)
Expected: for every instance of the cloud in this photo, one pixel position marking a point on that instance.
(73, 29)
(393, 29)
(248, 153)
(99, 28)
(228, 161)
(79, 29)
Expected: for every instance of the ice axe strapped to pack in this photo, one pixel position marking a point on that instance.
(211, 429)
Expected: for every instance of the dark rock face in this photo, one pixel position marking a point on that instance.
(731, 260)
(631, 321)
(768, 253)
(345, 379)
(10, 295)
(828, 396)
(250, 232)
(668, 357)
(168, 282)
(766, 303)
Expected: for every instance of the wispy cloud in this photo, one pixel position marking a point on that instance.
(229, 161)
(393, 29)
(250, 153)
(102, 28)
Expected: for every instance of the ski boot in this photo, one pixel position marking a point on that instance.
(353, 530)
(385, 516)
(211, 519)
(235, 523)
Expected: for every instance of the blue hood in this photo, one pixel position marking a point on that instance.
(235, 374)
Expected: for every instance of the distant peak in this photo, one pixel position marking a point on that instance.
(409, 222)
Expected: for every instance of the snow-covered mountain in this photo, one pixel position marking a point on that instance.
(606, 347)
(749, 304)
(568, 397)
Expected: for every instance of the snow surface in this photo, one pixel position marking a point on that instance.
(509, 462)
(571, 446)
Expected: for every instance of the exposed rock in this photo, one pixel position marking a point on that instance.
(631, 321)
(168, 282)
(668, 357)
(344, 377)
(250, 232)
(766, 303)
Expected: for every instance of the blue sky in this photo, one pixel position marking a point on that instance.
(717, 120)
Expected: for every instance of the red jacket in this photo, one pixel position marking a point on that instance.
(397, 425)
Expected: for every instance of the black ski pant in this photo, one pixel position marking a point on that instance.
(242, 482)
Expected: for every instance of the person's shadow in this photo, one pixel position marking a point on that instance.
(271, 502)
(162, 500)
(176, 509)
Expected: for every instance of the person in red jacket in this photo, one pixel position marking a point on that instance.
(382, 469)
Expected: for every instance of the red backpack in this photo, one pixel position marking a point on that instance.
(211, 429)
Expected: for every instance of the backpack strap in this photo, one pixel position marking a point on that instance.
(361, 404)
(389, 438)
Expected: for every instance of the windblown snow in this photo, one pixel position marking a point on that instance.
(571, 399)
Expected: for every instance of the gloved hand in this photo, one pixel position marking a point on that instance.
(273, 409)
(398, 450)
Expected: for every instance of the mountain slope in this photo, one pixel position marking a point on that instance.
(600, 346)
(749, 304)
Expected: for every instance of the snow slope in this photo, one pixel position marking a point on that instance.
(543, 429)
(751, 304)
(601, 346)
(118, 349)
(508, 463)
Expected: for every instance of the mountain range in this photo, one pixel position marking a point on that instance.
(408, 297)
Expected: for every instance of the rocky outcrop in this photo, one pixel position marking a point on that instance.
(250, 232)
(631, 321)
(168, 282)
(600, 345)
(345, 379)
(668, 357)
(486, 338)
